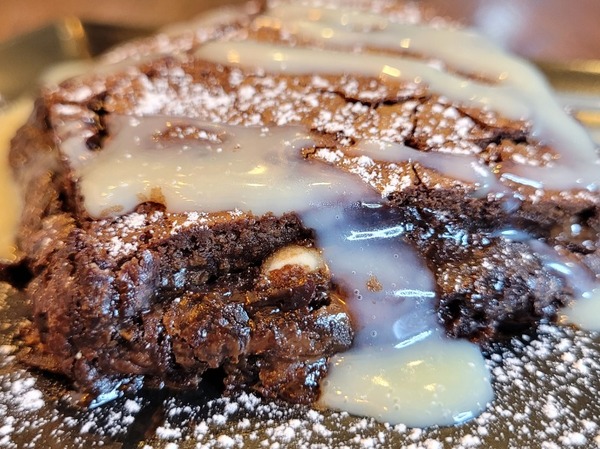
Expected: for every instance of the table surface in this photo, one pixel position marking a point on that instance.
(544, 29)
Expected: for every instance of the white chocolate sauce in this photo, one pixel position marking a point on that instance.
(400, 308)
(520, 92)
(252, 169)
(10, 120)
(424, 382)
(277, 58)
(118, 180)
(391, 291)
(461, 167)
(401, 368)
(584, 312)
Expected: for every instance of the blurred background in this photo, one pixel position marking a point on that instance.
(541, 29)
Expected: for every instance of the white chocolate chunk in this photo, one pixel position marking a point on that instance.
(308, 258)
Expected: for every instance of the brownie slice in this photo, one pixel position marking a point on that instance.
(164, 297)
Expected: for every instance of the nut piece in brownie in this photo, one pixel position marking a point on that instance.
(487, 182)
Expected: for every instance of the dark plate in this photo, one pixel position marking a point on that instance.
(547, 388)
(547, 384)
(24, 58)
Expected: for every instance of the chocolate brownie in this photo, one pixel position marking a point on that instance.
(138, 278)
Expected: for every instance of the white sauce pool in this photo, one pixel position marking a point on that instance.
(431, 381)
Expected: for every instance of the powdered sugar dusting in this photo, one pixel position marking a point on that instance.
(30, 416)
(546, 399)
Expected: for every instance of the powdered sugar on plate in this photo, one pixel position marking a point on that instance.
(546, 385)
(546, 398)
